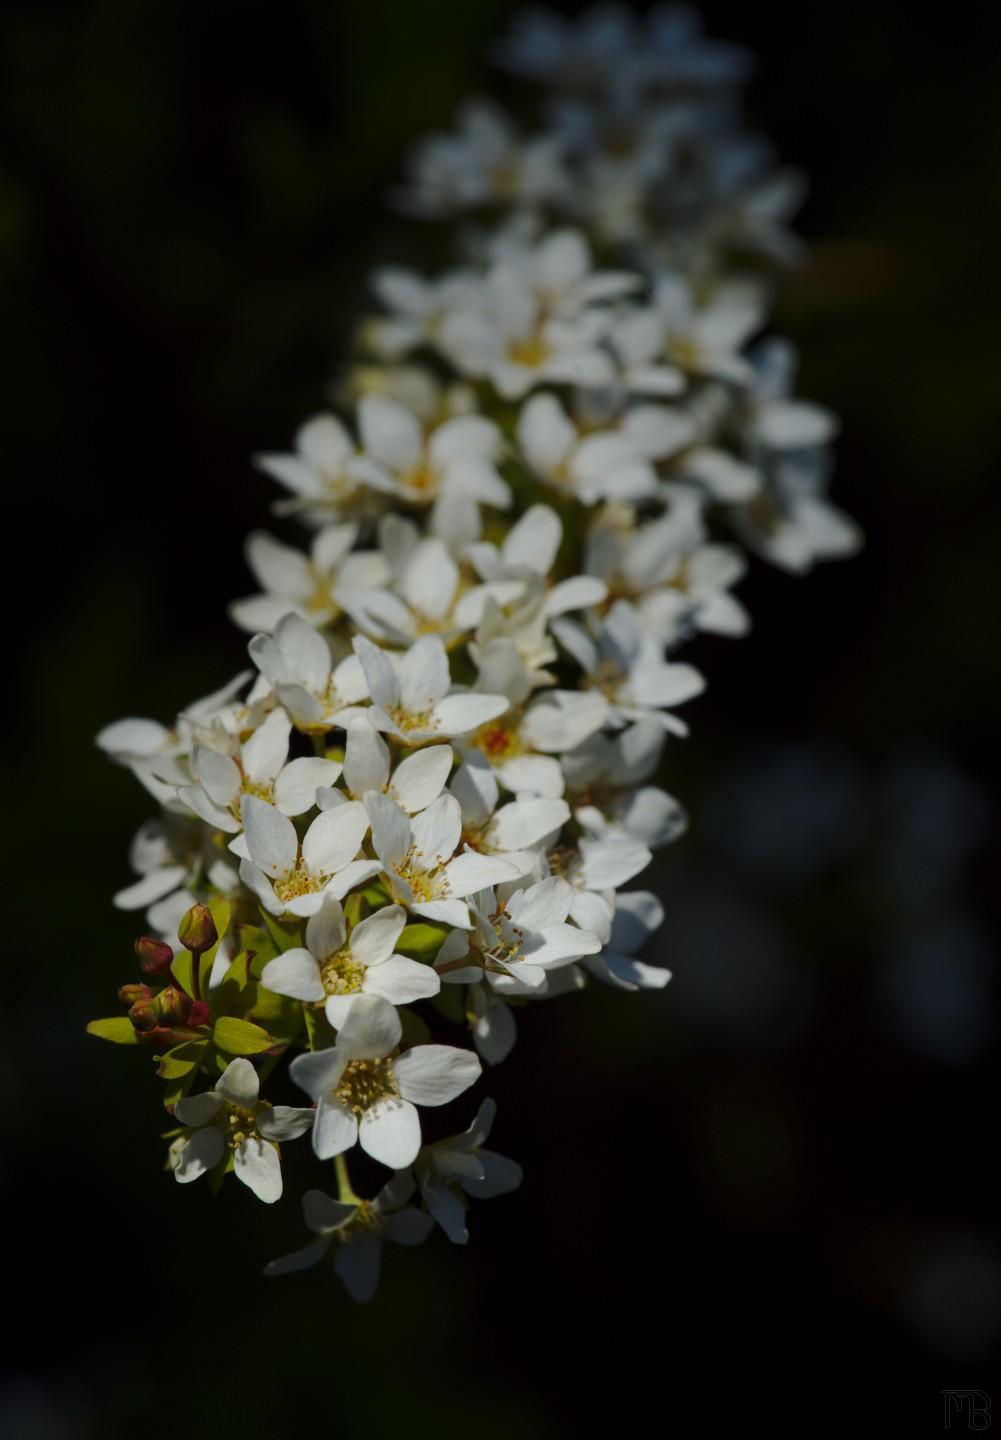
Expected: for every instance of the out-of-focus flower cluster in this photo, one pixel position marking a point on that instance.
(427, 804)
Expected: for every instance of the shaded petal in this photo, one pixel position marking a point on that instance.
(435, 1074)
(257, 1164)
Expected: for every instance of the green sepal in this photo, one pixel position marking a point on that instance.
(414, 1030)
(119, 1029)
(182, 1059)
(260, 944)
(376, 895)
(421, 941)
(240, 1037)
(177, 1089)
(355, 909)
(319, 1032)
(284, 935)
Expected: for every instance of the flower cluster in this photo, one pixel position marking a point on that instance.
(427, 804)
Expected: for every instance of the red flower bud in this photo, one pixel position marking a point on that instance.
(143, 1016)
(155, 956)
(130, 994)
(198, 1015)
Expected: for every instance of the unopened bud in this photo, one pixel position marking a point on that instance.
(172, 1006)
(197, 931)
(130, 994)
(143, 1016)
(154, 955)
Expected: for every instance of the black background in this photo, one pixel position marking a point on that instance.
(725, 1219)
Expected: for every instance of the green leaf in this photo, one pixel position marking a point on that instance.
(119, 1029)
(183, 972)
(284, 935)
(240, 1037)
(182, 1059)
(421, 942)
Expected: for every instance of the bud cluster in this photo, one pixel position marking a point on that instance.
(425, 807)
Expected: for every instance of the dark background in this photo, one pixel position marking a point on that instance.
(761, 1195)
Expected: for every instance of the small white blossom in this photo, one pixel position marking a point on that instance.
(367, 1094)
(231, 1119)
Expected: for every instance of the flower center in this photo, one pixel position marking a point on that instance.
(238, 1125)
(299, 882)
(421, 480)
(427, 882)
(529, 350)
(499, 742)
(366, 1082)
(342, 974)
(408, 720)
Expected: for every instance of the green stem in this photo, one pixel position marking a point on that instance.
(344, 1191)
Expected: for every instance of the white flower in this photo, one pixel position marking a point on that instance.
(258, 768)
(414, 783)
(317, 473)
(309, 584)
(365, 1094)
(457, 458)
(519, 826)
(297, 663)
(361, 1227)
(626, 665)
(410, 698)
(637, 915)
(335, 967)
(287, 876)
(460, 1163)
(419, 862)
(484, 161)
(232, 1118)
(519, 936)
(604, 466)
(417, 309)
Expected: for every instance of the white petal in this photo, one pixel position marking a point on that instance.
(239, 1084)
(334, 838)
(294, 973)
(366, 758)
(257, 1164)
(458, 714)
(334, 1130)
(526, 822)
(472, 871)
(264, 754)
(318, 1071)
(379, 673)
(374, 939)
(271, 837)
(402, 981)
(424, 675)
(295, 790)
(371, 1030)
(389, 431)
(285, 1122)
(198, 1109)
(420, 778)
(436, 831)
(358, 1266)
(390, 828)
(202, 1152)
(435, 1074)
(563, 718)
(391, 1133)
